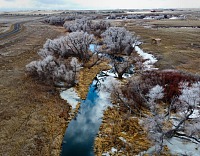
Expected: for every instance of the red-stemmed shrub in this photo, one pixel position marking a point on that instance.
(170, 80)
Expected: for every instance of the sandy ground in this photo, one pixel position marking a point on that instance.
(32, 116)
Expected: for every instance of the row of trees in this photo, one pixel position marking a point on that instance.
(62, 58)
(56, 54)
(87, 25)
(55, 20)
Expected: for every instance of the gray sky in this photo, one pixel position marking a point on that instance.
(96, 4)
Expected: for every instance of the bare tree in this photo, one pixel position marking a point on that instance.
(121, 67)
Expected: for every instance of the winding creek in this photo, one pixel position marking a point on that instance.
(82, 130)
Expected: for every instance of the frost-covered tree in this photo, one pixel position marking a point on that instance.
(51, 70)
(112, 16)
(56, 47)
(98, 27)
(118, 40)
(82, 24)
(87, 25)
(166, 118)
(76, 44)
(55, 20)
(163, 125)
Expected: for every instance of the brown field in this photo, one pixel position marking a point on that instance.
(179, 48)
(32, 116)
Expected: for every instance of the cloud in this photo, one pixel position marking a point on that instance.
(15, 4)
(56, 4)
(129, 4)
(38, 4)
(49, 2)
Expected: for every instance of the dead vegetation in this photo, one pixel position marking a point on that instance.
(86, 76)
(121, 131)
(33, 117)
(179, 48)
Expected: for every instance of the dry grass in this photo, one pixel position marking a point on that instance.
(179, 48)
(117, 124)
(86, 76)
(32, 116)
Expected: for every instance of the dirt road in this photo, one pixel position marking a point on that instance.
(32, 116)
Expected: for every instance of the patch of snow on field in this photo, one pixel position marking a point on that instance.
(178, 147)
(113, 150)
(122, 139)
(195, 114)
(150, 59)
(71, 96)
(106, 154)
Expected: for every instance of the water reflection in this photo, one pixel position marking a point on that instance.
(80, 134)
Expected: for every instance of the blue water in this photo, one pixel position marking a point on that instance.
(81, 132)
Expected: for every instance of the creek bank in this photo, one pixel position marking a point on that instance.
(121, 134)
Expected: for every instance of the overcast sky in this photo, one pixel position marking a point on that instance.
(96, 4)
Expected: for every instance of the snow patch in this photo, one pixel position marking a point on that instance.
(150, 59)
(113, 150)
(178, 147)
(92, 47)
(71, 96)
(195, 114)
(122, 139)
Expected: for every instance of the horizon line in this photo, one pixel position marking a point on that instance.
(34, 9)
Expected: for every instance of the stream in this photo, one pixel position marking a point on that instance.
(82, 130)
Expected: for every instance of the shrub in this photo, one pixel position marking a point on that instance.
(170, 80)
(55, 20)
(118, 40)
(76, 44)
(50, 70)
